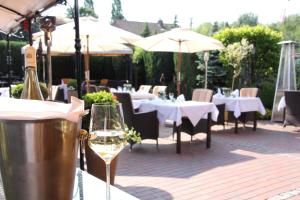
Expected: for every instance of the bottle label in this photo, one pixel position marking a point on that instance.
(30, 57)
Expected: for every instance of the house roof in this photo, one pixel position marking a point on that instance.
(138, 27)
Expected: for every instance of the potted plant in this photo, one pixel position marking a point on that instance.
(132, 136)
(17, 90)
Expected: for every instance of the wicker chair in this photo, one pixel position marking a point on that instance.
(145, 123)
(248, 92)
(158, 88)
(292, 109)
(144, 88)
(204, 95)
(246, 116)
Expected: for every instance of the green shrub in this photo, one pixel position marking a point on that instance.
(17, 90)
(267, 116)
(72, 84)
(265, 57)
(99, 97)
(266, 93)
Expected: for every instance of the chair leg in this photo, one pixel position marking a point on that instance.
(191, 138)
(157, 143)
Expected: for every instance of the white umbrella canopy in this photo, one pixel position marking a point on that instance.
(103, 39)
(97, 48)
(95, 29)
(13, 12)
(181, 41)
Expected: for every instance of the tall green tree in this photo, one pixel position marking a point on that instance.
(175, 22)
(291, 28)
(86, 10)
(249, 19)
(146, 32)
(116, 12)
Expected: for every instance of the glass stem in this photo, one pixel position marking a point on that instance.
(107, 181)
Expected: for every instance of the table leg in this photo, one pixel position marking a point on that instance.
(236, 125)
(208, 137)
(254, 121)
(178, 142)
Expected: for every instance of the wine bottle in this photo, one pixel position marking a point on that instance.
(31, 89)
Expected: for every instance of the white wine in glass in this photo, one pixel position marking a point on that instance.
(107, 135)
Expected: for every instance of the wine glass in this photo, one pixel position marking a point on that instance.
(171, 96)
(107, 134)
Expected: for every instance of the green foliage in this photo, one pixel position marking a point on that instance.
(17, 57)
(205, 29)
(263, 63)
(72, 85)
(86, 10)
(215, 71)
(267, 116)
(99, 97)
(132, 136)
(291, 28)
(267, 91)
(116, 12)
(17, 90)
(146, 32)
(175, 22)
(234, 54)
(249, 19)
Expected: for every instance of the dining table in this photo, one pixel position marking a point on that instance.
(88, 187)
(175, 110)
(239, 105)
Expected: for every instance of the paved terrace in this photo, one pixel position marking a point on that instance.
(249, 165)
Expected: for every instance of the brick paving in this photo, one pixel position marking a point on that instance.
(249, 165)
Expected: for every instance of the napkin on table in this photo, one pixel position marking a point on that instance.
(218, 94)
(235, 93)
(180, 98)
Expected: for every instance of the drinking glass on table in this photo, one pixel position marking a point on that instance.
(171, 96)
(107, 135)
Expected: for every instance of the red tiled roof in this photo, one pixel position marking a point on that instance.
(138, 27)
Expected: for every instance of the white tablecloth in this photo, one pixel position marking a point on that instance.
(241, 104)
(4, 92)
(139, 95)
(167, 110)
(281, 104)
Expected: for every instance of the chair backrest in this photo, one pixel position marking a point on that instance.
(292, 109)
(204, 95)
(102, 88)
(90, 88)
(144, 88)
(158, 88)
(248, 92)
(128, 112)
(103, 81)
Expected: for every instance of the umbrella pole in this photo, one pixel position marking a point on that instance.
(78, 67)
(206, 58)
(178, 73)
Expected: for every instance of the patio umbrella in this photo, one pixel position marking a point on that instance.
(181, 41)
(103, 39)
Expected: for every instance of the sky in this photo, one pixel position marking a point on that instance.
(199, 11)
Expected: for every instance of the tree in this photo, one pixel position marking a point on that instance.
(116, 12)
(235, 53)
(205, 29)
(146, 32)
(263, 63)
(249, 19)
(86, 10)
(291, 28)
(215, 27)
(175, 23)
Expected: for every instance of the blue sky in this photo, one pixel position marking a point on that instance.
(199, 10)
